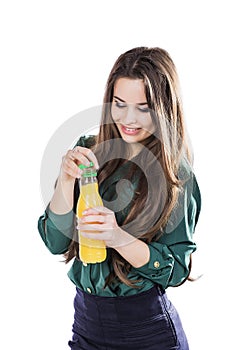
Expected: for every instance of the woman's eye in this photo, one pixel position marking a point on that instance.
(120, 105)
(144, 110)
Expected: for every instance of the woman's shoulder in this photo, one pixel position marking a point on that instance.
(87, 141)
(185, 170)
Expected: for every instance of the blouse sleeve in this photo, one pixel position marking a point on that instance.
(170, 255)
(56, 230)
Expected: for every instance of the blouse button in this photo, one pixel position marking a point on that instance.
(89, 290)
(156, 264)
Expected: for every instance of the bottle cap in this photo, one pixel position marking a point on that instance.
(90, 172)
(82, 166)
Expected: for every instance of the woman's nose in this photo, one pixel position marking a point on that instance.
(130, 115)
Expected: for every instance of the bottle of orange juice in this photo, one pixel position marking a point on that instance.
(90, 250)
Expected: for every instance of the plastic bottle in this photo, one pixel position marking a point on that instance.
(90, 250)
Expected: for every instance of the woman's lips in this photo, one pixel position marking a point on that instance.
(130, 131)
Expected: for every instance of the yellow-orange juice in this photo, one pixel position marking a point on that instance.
(90, 250)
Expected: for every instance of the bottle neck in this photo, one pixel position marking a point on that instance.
(88, 176)
(85, 180)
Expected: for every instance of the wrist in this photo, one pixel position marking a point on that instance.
(62, 200)
(135, 251)
(63, 181)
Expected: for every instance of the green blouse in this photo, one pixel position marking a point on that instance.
(169, 256)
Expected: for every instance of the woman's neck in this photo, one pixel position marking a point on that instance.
(134, 149)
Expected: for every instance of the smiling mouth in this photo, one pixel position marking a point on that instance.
(130, 131)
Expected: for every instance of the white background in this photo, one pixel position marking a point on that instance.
(55, 59)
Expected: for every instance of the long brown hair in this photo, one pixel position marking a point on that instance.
(162, 152)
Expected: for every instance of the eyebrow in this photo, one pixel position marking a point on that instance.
(140, 104)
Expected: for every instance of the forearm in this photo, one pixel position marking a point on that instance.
(62, 200)
(136, 252)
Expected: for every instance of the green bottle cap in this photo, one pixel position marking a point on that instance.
(82, 166)
(90, 172)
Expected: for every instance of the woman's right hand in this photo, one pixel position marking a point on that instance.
(69, 167)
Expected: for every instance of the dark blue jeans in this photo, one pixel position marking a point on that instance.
(145, 321)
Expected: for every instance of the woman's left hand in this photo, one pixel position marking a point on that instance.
(100, 223)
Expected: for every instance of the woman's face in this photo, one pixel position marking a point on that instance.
(130, 110)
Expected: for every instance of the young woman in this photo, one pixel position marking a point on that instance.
(151, 207)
